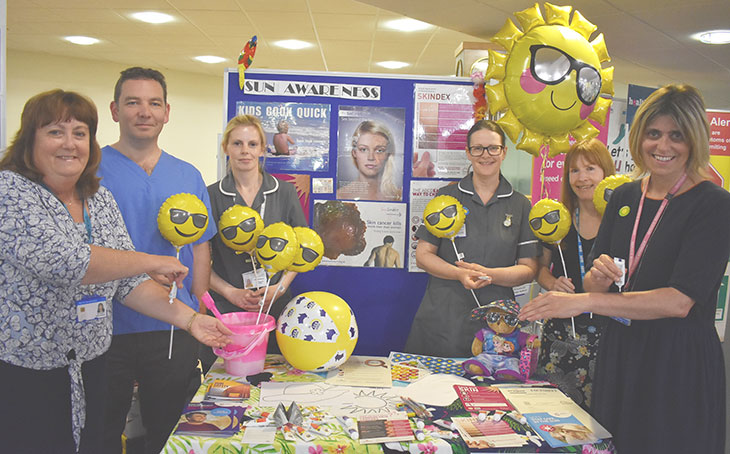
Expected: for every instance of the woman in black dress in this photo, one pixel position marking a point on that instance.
(660, 381)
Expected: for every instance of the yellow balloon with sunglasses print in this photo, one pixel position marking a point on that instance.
(276, 247)
(310, 252)
(604, 190)
(444, 216)
(239, 228)
(549, 220)
(182, 219)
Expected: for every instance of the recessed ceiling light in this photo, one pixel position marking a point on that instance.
(293, 44)
(209, 59)
(392, 64)
(714, 37)
(407, 25)
(153, 17)
(81, 40)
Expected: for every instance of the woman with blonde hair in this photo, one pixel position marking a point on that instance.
(372, 152)
(567, 358)
(660, 374)
(246, 183)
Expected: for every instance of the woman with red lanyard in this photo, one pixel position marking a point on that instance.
(660, 378)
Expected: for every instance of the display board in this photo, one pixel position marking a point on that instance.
(327, 130)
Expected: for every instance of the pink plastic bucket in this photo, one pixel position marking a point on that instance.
(246, 353)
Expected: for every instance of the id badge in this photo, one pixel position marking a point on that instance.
(462, 232)
(255, 280)
(91, 308)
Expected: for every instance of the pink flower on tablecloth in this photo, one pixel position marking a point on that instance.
(315, 449)
(339, 449)
(427, 448)
(590, 449)
(296, 371)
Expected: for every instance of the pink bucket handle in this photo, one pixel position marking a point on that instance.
(243, 351)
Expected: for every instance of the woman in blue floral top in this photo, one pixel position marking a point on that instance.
(64, 253)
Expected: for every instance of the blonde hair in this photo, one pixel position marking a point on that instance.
(593, 151)
(685, 106)
(387, 186)
(244, 120)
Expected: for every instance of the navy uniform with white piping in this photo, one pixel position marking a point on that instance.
(276, 201)
(497, 235)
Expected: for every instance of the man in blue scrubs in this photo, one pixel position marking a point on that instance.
(141, 176)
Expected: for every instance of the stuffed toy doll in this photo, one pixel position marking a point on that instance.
(498, 348)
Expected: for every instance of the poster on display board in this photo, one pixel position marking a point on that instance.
(719, 147)
(443, 116)
(297, 134)
(384, 311)
(361, 233)
(422, 191)
(370, 154)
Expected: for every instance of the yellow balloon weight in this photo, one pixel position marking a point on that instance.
(605, 189)
(444, 216)
(276, 247)
(317, 331)
(549, 220)
(311, 249)
(239, 227)
(182, 219)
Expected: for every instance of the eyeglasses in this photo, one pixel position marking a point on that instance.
(492, 150)
(551, 217)
(509, 319)
(551, 66)
(230, 232)
(276, 244)
(434, 218)
(309, 255)
(178, 216)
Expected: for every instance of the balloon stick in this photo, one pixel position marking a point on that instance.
(172, 295)
(278, 288)
(255, 268)
(565, 270)
(459, 257)
(263, 300)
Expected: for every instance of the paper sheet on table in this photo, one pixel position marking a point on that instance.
(436, 389)
(259, 435)
(550, 400)
(337, 400)
(370, 371)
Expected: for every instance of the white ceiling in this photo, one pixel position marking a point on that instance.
(649, 40)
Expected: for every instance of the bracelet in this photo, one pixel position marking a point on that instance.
(190, 322)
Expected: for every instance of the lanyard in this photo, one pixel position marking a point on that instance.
(581, 261)
(635, 258)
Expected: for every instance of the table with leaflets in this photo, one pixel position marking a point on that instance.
(324, 407)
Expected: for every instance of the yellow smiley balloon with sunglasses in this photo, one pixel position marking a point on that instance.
(549, 220)
(444, 216)
(605, 188)
(311, 249)
(182, 219)
(239, 227)
(276, 247)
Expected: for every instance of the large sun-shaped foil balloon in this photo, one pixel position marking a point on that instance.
(550, 79)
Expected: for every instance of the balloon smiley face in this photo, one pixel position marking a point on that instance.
(605, 189)
(239, 227)
(182, 219)
(549, 220)
(311, 250)
(444, 216)
(276, 247)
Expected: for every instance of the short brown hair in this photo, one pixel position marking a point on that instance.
(41, 110)
(485, 124)
(593, 151)
(683, 104)
(139, 73)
